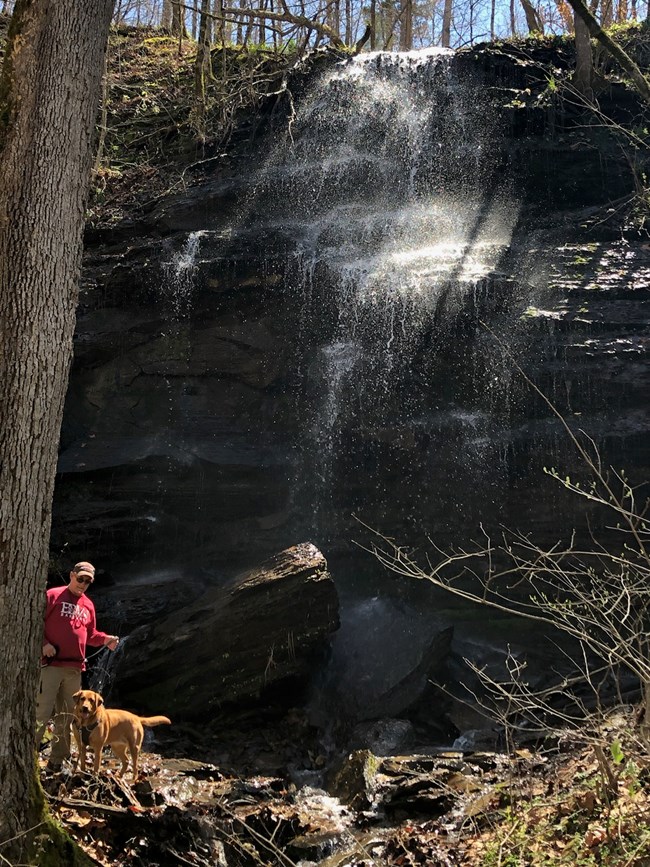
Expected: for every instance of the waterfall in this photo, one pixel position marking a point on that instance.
(389, 199)
(389, 192)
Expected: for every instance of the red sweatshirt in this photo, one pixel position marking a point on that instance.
(69, 626)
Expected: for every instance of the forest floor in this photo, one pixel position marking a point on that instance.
(255, 798)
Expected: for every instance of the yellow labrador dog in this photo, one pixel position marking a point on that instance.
(97, 726)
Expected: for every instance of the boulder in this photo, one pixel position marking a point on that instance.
(259, 635)
(407, 691)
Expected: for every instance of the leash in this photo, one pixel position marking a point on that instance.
(51, 659)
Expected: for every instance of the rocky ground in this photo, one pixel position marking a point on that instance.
(268, 794)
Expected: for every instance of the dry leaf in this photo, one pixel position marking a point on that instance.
(586, 801)
(595, 837)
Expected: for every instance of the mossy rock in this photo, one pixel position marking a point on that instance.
(354, 780)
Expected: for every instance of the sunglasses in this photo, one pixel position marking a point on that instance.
(85, 581)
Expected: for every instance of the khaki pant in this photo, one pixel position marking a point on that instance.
(57, 687)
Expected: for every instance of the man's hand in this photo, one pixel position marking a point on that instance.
(111, 642)
(48, 650)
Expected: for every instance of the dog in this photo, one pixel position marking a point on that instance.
(97, 726)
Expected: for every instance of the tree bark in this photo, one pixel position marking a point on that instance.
(222, 29)
(584, 71)
(406, 26)
(49, 93)
(533, 20)
(178, 19)
(195, 20)
(607, 13)
(202, 70)
(167, 15)
(446, 24)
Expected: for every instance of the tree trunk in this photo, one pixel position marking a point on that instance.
(333, 15)
(584, 72)
(513, 23)
(406, 26)
(202, 70)
(195, 20)
(533, 19)
(607, 13)
(178, 19)
(446, 24)
(167, 15)
(261, 39)
(46, 138)
(222, 29)
(239, 38)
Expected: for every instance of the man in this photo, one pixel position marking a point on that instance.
(69, 627)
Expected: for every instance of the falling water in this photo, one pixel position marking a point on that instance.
(169, 441)
(389, 191)
(335, 364)
(389, 194)
(180, 276)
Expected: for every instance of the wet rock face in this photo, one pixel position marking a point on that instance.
(174, 453)
(237, 386)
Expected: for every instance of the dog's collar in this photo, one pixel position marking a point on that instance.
(85, 731)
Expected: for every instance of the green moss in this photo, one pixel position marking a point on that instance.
(53, 847)
(50, 845)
